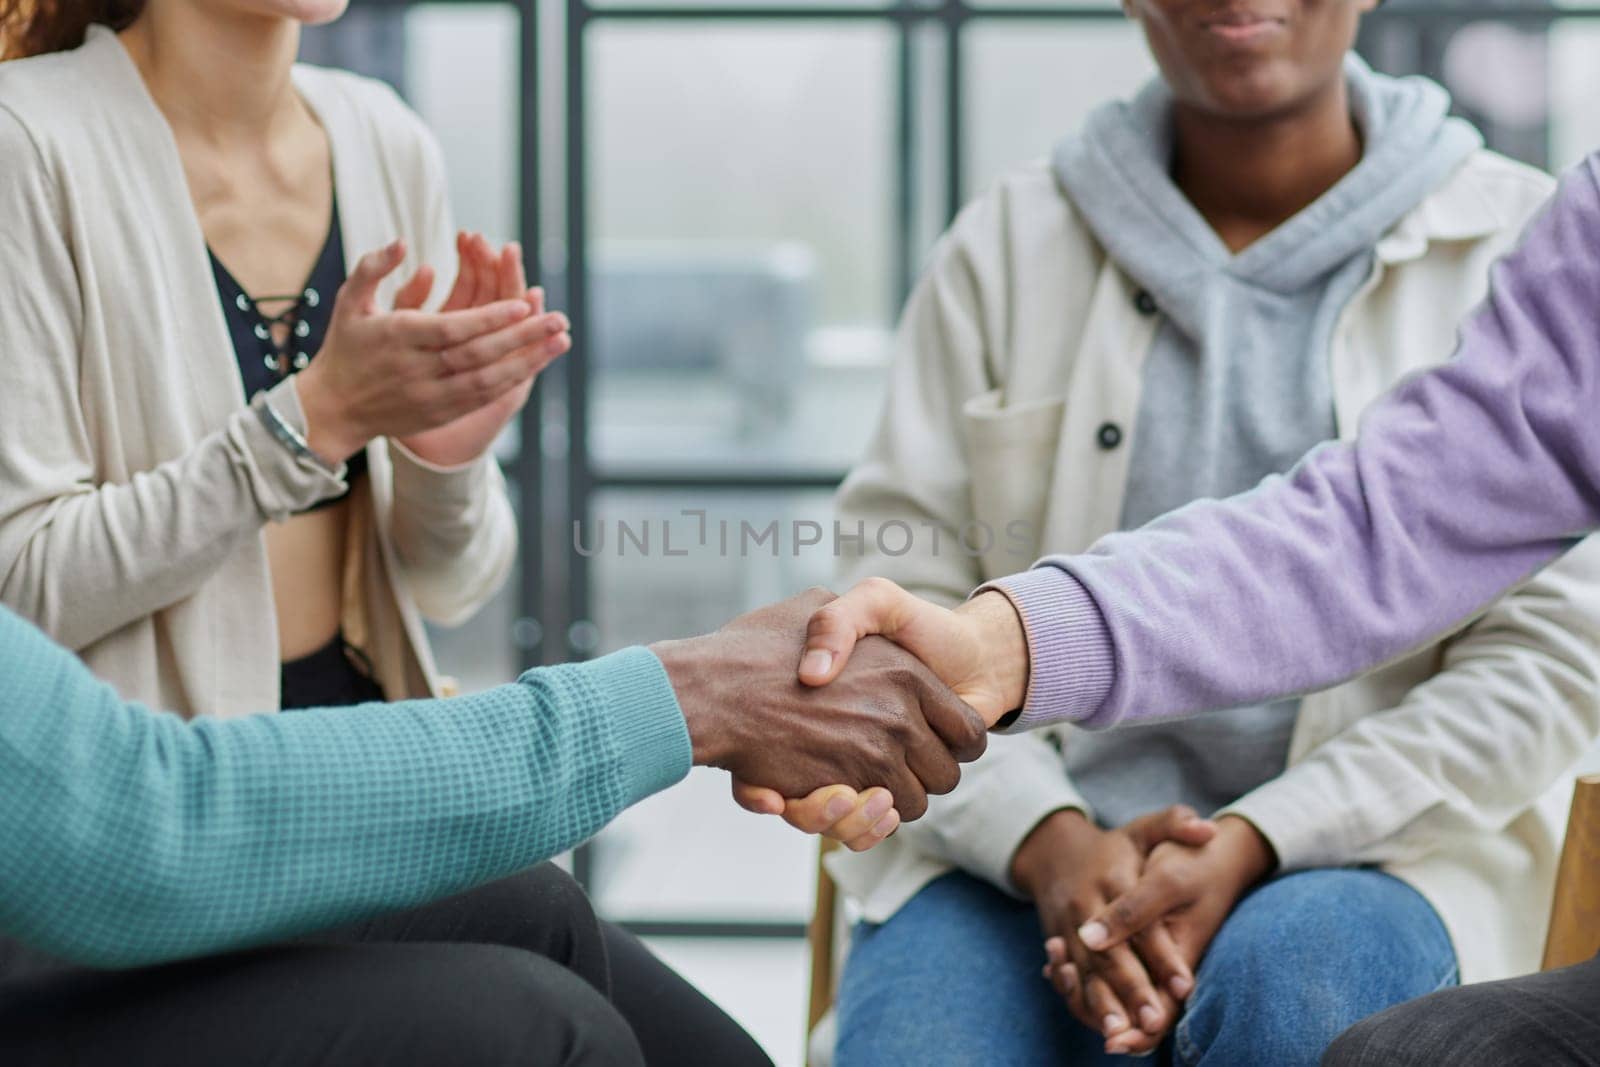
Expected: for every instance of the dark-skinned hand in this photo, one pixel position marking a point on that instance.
(1176, 906)
(1072, 870)
(885, 721)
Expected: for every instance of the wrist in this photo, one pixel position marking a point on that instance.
(1003, 647)
(686, 667)
(328, 426)
(1250, 854)
(1054, 841)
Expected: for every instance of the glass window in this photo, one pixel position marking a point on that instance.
(689, 853)
(1029, 84)
(740, 271)
(1574, 88)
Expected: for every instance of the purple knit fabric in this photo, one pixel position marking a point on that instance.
(1464, 482)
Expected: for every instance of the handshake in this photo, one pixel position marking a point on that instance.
(843, 713)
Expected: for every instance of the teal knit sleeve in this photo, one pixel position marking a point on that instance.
(128, 837)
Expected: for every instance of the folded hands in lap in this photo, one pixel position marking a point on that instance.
(1128, 913)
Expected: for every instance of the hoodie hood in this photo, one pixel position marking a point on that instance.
(1116, 171)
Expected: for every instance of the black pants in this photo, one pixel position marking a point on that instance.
(336, 675)
(1541, 1020)
(518, 972)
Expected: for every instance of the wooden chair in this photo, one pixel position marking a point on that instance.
(823, 937)
(1575, 918)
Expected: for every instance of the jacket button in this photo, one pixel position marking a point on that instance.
(1145, 303)
(1109, 435)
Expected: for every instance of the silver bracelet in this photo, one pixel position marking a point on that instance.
(293, 439)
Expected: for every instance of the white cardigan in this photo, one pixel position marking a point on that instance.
(1449, 768)
(134, 481)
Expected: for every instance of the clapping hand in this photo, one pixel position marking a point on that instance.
(403, 372)
(485, 277)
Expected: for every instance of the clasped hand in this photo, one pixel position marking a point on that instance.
(1127, 913)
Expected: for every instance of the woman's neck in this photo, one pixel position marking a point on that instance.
(220, 77)
(1248, 178)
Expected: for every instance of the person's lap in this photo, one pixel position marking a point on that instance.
(1539, 1020)
(347, 1004)
(953, 978)
(518, 971)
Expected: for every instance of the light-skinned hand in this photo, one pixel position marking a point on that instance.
(401, 372)
(888, 720)
(978, 649)
(483, 278)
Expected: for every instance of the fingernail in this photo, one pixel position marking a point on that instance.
(878, 806)
(816, 662)
(1094, 934)
(1150, 1019)
(1180, 986)
(1113, 1023)
(885, 825)
(837, 808)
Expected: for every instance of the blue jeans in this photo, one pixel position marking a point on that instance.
(953, 977)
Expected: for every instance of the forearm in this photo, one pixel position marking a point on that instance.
(1464, 482)
(150, 541)
(132, 837)
(454, 531)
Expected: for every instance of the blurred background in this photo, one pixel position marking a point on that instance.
(732, 200)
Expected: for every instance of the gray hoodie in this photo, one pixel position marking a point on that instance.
(1236, 385)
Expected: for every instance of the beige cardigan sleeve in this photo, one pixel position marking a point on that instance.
(453, 528)
(916, 472)
(78, 557)
(1515, 704)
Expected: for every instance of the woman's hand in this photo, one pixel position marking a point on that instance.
(484, 277)
(1072, 869)
(1184, 891)
(402, 372)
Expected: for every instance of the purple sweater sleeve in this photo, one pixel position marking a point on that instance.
(1464, 482)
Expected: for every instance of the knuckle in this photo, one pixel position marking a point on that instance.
(1124, 914)
(901, 676)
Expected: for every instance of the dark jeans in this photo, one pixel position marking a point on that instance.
(517, 972)
(1541, 1020)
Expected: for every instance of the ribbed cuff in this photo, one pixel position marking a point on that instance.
(646, 721)
(1071, 665)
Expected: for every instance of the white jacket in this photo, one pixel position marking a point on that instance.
(1449, 769)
